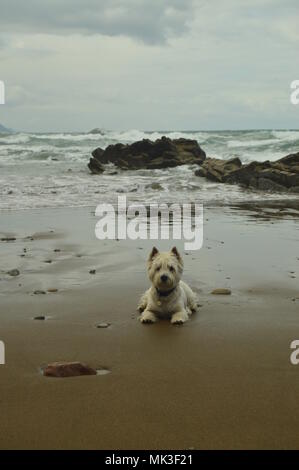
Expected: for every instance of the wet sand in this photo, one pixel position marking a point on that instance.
(221, 381)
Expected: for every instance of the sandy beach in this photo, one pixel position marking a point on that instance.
(142, 114)
(221, 381)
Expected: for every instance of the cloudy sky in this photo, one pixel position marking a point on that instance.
(148, 64)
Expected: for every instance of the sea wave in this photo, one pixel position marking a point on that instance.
(50, 169)
(14, 139)
(286, 136)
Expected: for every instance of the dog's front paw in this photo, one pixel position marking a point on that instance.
(193, 308)
(148, 317)
(179, 318)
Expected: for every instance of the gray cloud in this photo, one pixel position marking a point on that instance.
(74, 65)
(151, 21)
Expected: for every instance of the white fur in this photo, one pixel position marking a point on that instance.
(180, 303)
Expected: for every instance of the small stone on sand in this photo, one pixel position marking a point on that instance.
(103, 325)
(92, 271)
(52, 290)
(37, 292)
(103, 371)
(67, 369)
(40, 317)
(221, 292)
(13, 272)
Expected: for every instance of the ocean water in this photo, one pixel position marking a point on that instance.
(50, 170)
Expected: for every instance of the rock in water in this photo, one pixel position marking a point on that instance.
(279, 176)
(215, 169)
(95, 166)
(162, 153)
(67, 369)
(221, 292)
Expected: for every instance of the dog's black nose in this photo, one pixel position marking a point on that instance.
(164, 278)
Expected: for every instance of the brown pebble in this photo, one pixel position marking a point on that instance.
(52, 290)
(67, 369)
(221, 291)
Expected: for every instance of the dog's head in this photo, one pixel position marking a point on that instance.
(164, 269)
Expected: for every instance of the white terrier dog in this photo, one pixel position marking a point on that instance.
(168, 297)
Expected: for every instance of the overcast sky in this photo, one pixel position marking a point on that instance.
(148, 64)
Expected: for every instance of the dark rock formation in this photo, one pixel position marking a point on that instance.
(281, 175)
(215, 169)
(94, 163)
(162, 153)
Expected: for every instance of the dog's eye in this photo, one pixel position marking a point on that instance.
(171, 268)
(158, 268)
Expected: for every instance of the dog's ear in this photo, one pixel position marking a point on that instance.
(175, 252)
(153, 253)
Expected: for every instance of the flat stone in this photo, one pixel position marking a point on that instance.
(67, 369)
(221, 292)
(52, 290)
(8, 239)
(103, 371)
(103, 325)
(40, 317)
(37, 292)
